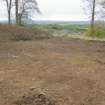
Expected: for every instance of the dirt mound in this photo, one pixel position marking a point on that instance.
(35, 98)
(12, 32)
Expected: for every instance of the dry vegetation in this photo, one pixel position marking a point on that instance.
(52, 72)
(12, 32)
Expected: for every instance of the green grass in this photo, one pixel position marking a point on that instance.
(98, 31)
(69, 27)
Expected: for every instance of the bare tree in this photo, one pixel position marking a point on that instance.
(93, 16)
(26, 7)
(102, 4)
(16, 10)
(91, 9)
(9, 7)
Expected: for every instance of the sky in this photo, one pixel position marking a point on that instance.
(55, 10)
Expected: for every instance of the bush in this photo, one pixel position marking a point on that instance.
(98, 31)
(12, 32)
(21, 37)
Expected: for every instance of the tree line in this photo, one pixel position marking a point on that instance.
(23, 9)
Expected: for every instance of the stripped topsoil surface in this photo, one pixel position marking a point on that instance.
(68, 71)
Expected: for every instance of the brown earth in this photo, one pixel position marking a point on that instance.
(70, 71)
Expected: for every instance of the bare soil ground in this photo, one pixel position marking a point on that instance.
(70, 71)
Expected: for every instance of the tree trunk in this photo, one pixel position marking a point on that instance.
(16, 11)
(9, 17)
(93, 17)
(20, 19)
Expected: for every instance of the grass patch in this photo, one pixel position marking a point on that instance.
(98, 31)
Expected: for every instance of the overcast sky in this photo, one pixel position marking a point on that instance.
(55, 10)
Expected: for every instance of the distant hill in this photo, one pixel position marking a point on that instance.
(29, 21)
(59, 22)
(6, 21)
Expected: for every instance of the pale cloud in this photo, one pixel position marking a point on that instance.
(61, 9)
(56, 10)
(3, 13)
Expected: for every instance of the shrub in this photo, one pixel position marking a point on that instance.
(21, 37)
(12, 32)
(98, 31)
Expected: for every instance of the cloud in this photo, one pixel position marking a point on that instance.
(61, 9)
(55, 9)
